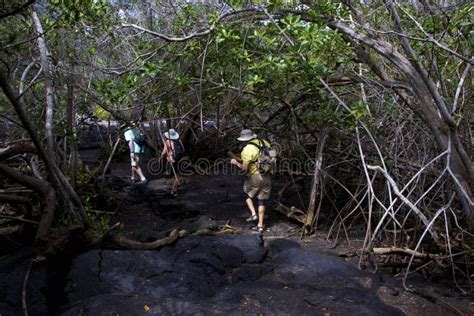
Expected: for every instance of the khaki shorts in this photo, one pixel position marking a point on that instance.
(258, 185)
(135, 160)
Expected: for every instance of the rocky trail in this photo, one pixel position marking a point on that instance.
(231, 273)
(210, 272)
(238, 273)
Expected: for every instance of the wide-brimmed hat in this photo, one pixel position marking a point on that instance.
(171, 134)
(246, 134)
(128, 126)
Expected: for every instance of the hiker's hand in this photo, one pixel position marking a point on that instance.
(234, 162)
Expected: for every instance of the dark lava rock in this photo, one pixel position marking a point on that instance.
(203, 222)
(194, 266)
(12, 274)
(250, 273)
(231, 256)
(226, 274)
(248, 244)
(279, 245)
(312, 265)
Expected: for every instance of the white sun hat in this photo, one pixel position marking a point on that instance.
(246, 135)
(171, 134)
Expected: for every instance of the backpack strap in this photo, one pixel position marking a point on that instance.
(258, 146)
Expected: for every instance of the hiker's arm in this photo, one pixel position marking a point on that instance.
(165, 149)
(241, 165)
(244, 161)
(168, 151)
(131, 147)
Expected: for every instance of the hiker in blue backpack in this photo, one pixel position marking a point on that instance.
(173, 151)
(135, 139)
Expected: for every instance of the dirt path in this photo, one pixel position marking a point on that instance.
(217, 197)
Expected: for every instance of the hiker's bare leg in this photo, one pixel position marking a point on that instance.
(138, 170)
(261, 214)
(251, 206)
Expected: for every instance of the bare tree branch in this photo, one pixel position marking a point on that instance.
(459, 88)
(168, 37)
(431, 39)
(412, 206)
(171, 38)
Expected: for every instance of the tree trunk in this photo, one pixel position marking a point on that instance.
(58, 179)
(44, 55)
(70, 115)
(46, 192)
(315, 187)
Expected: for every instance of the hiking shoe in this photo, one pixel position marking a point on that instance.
(259, 229)
(173, 194)
(143, 181)
(133, 180)
(252, 218)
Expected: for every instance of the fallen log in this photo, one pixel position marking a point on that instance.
(225, 229)
(291, 212)
(60, 239)
(127, 243)
(75, 237)
(118, 241)
(405, 252)
(17, 148)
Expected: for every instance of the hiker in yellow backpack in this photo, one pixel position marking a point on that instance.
(257, 181)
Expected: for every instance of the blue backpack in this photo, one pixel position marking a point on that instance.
(178, 150)
(139, 137)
